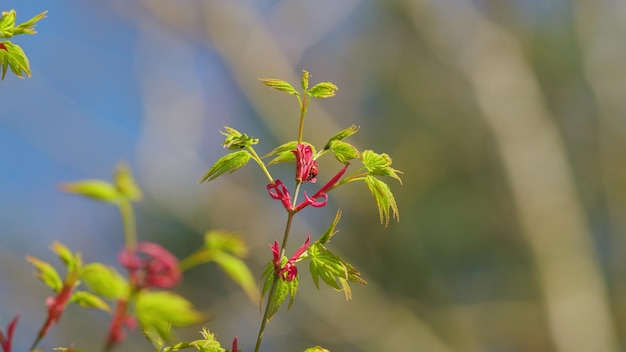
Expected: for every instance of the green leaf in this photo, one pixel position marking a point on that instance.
(208, 344)
(46, 273)
(343, 151)
(236, 140)
(159, 310)
(334, 271)
(305, 79)
(284, 152)
(383, 197)
(28, 27)
(125, 183)
(89, 300)
(94, 189)
(72, 261)
(12, 56)
(316, 349)
(330, 232)
(225, 241)
(104, 281)
(280, 295)
(280, 85)
(228, 163)
(238, 272)
(379, 164)
(345, 133)
(7, 24)
(323, 90)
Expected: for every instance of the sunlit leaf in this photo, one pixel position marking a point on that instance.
(89, 300)
(28, 27)
(379, 164)
(330, 232)
(343, 151)
(159, 310)
(228, 163)
(125, 183)
(238, 272)
(13, 57)
(46, 273)
(384, 199)
(323, 90)
(225, 241)
(280, 85)
(95, 189)
(305, 79)
(236, 140)
(316, 349)
(104, 280)
(345, 133)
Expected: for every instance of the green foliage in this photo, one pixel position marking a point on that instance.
(228, 163)
(238, 271)
(323, 90)
(280, 85)
(11, 55)
(343, 151)
(341, 135)
(237, 140)
(316, 349)
(46, 273)
(379, 164)
(125, 183)
(158, 311)
(332, 270)
(207, 344)
(282, 289)
(104, 281)
(95, 189)
(89, 300)
(384, 199)
(330, 232)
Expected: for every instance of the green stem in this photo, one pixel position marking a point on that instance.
(303, 108)
(270, 296)
(258, 160)
(130, 230)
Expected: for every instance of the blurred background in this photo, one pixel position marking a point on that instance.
(506, 116)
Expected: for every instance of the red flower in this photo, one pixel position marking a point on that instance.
(56, 305)
(289, 271)
(156, 268)
(278, 190)
(5, 341)
(306, 166)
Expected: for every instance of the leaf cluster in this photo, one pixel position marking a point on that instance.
(11, 55)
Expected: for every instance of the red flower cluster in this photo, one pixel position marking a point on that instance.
(150, 266)
(306, 170)
(289, 271)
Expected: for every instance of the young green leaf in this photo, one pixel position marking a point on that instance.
(94, 189)
(7, 24)
(104, 281)
(125, 183)
(228, 163)
(345, 133)
(379, 164)
(89, 300)
(332, 270)
(280, 85)
(13, 57)
(283, 289)
(305, 79)
(236, 140)
(343, 151)
(28, 27)
(323, 90)
(46, 273)
(71, 260)
(316, 349)
(159, 310)
(330, 232)
(383, 197)
(225, 241)
(238, 272)
(284, 152)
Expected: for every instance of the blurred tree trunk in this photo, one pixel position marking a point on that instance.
(536, 165)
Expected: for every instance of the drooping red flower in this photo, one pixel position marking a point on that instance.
(278, 190)
(289, 271)
(6, 340)
(151, 265)
(321, 193)
(306, 166)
